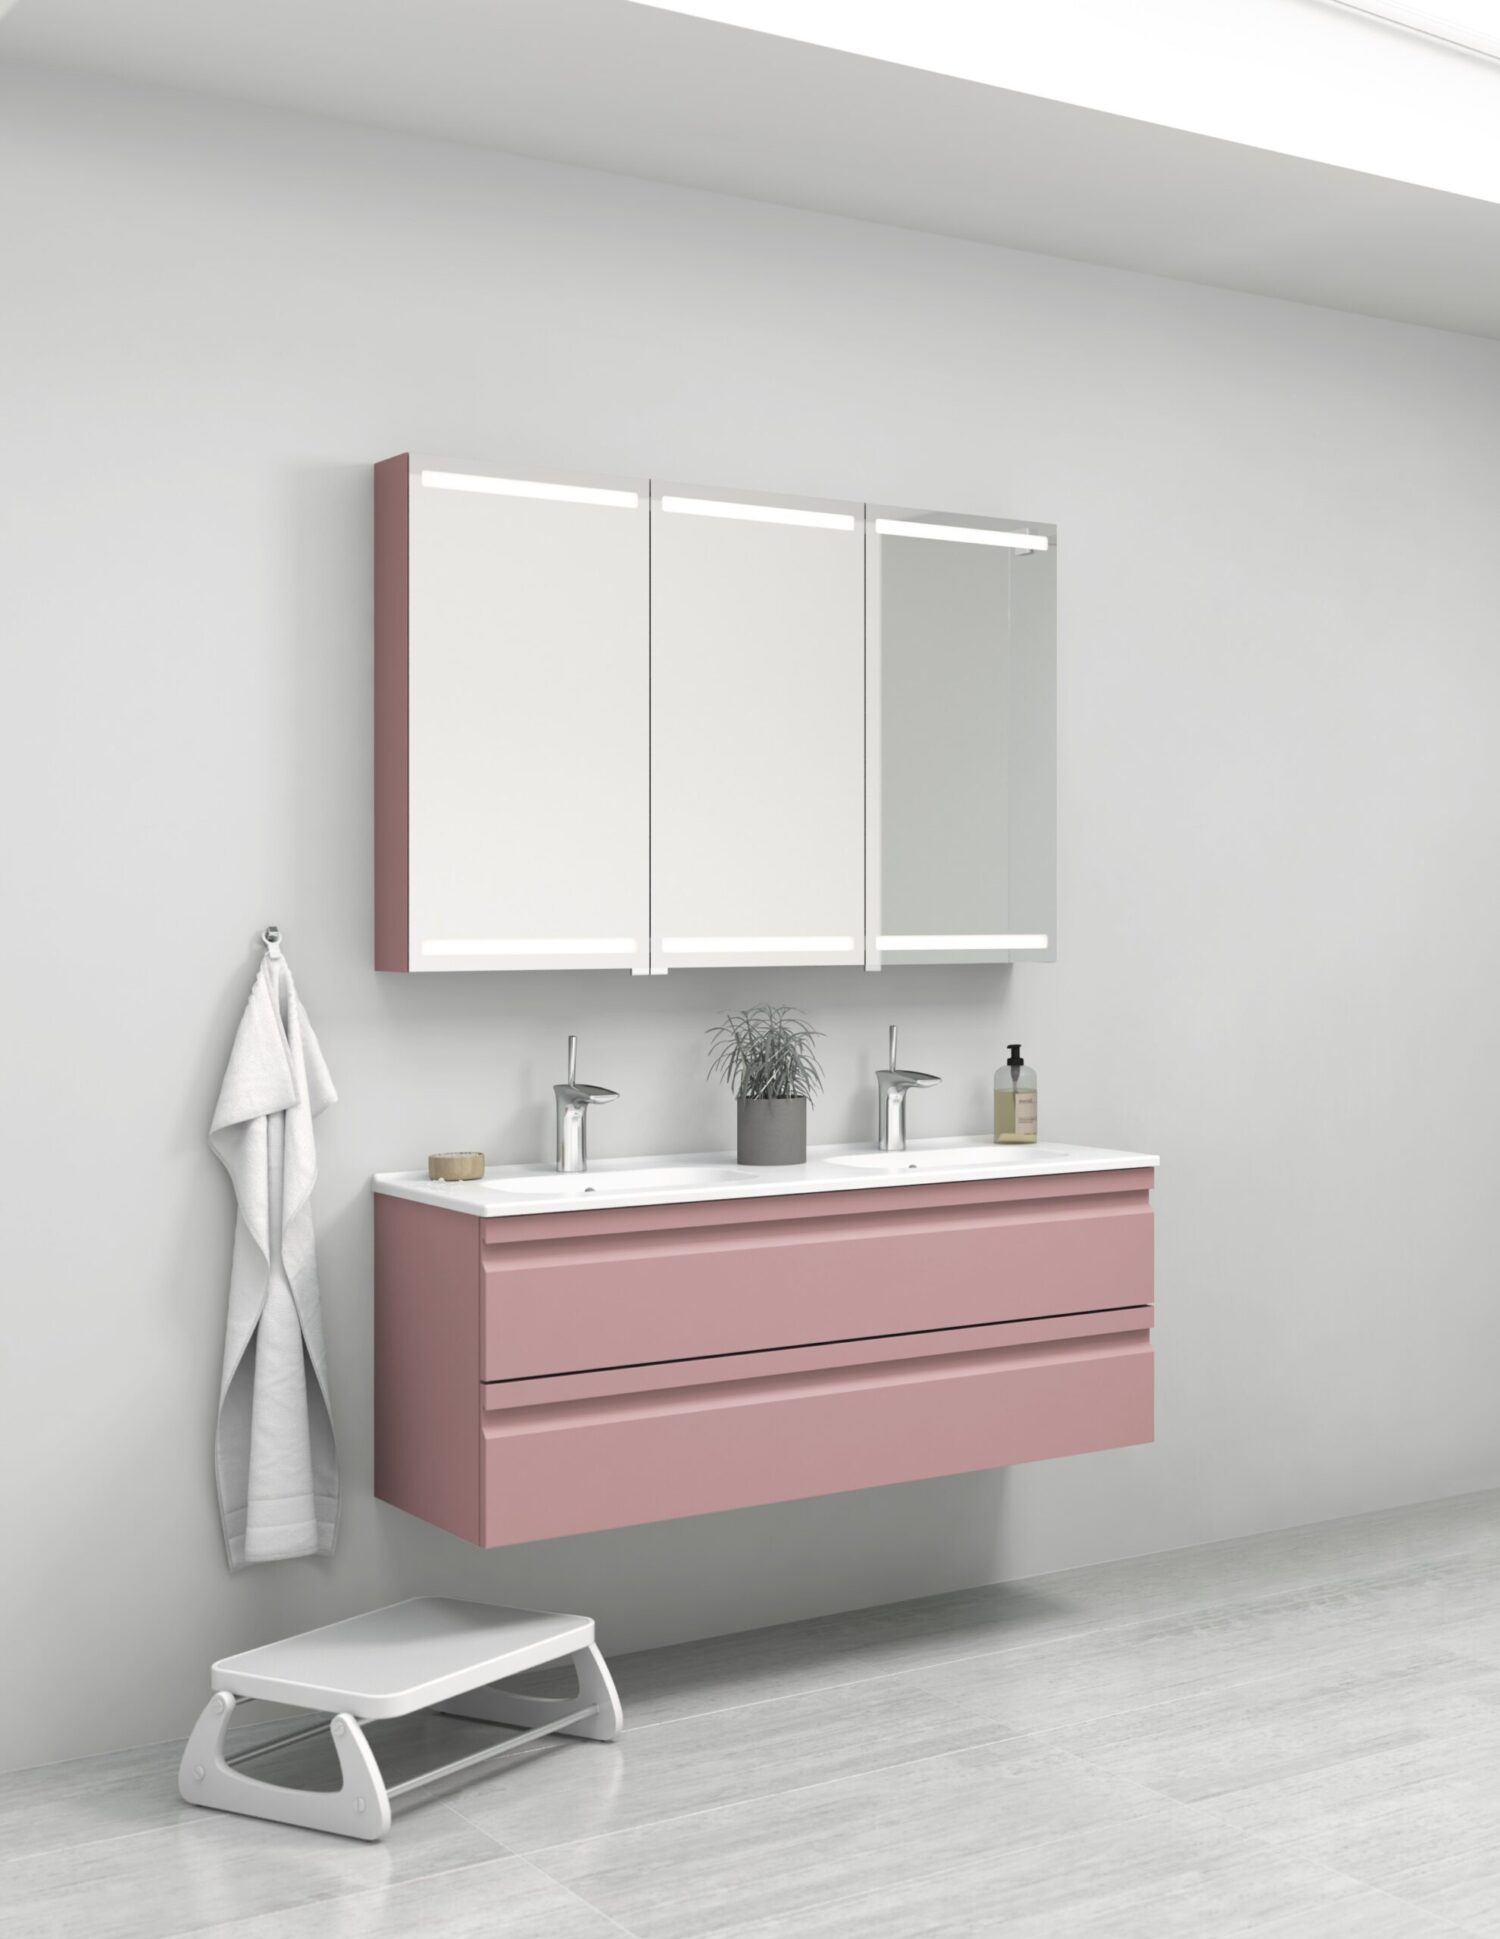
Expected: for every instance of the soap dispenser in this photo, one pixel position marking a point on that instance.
(1015, 1101)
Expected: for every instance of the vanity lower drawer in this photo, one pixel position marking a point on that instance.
(647, 1443)
(582, 1290)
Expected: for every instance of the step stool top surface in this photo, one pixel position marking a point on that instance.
(404, 1657)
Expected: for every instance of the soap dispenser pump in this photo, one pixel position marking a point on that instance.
(1015, 1101)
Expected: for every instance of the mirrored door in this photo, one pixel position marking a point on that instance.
(757, 729)
(961, 739)
(529, 736)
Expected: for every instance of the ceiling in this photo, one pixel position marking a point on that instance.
(610, 85)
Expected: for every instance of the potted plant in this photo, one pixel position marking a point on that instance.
(766, 1056)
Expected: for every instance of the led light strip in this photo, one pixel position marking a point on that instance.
(761, 514)
(911, 528)
(530, 488)
(961, 942)
(757, 945)
(530, 946)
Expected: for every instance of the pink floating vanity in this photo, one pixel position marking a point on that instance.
(552, 1358)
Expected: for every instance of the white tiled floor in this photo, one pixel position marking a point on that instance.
(1297, 1734)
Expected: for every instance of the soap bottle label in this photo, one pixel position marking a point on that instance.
(1015, 1116)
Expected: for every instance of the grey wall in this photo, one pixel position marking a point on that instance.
(1280, 692)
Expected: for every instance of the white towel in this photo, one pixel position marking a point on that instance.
(274, 1455)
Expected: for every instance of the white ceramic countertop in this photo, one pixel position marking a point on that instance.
(506, 1191)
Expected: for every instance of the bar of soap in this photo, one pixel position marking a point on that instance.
(456, 1167)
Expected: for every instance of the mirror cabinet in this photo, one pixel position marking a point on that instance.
(634, 725)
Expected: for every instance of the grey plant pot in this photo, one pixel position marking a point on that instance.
(771, 1130)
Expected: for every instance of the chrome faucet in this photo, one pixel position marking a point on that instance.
(573, 1101)
(892, 1085)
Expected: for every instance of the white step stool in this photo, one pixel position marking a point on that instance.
(426, 1654)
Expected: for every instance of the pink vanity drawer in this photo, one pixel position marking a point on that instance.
(587, 1451)
(617, 1288)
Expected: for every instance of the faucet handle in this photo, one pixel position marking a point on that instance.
(911, 1080)
(582, 1093)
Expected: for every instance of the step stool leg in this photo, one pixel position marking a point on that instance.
(597, 1686)
(495, 1705)
(358, 1809)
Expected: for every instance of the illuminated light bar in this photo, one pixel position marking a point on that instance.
(961, 942)
(910, 528)
(530, 488)
(761, 514)
(757, 945)
(530, 946)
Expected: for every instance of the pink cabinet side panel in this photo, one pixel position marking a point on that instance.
(427, 1440)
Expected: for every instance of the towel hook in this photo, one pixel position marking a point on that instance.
(270, 935)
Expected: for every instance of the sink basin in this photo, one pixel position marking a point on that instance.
(605, 1184)
(953, 1158)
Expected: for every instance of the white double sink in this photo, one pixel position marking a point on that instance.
(507, 1190)
(673, 1177)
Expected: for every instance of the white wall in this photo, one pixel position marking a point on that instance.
(1280, 696)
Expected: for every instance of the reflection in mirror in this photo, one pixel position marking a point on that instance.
(961, 758)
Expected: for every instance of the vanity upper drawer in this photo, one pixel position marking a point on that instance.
(625, 1287)
(591, 1451)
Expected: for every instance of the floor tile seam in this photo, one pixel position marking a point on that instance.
(188, 1820)
(1391, 1883)
(588, 1905)
(1223, 1683)
(1414, 1905)
(1021, 1645)
(911, 1670)
(820, 1904)
(371, 1892)
(1253, 1838)
(537, 1853)
(1003, 1737)
(876, 1676)
(812, 1690)
(174, 1745)
(1051, 1838)
(561, 1884)
(1294, 1850)
(1222, 1802)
